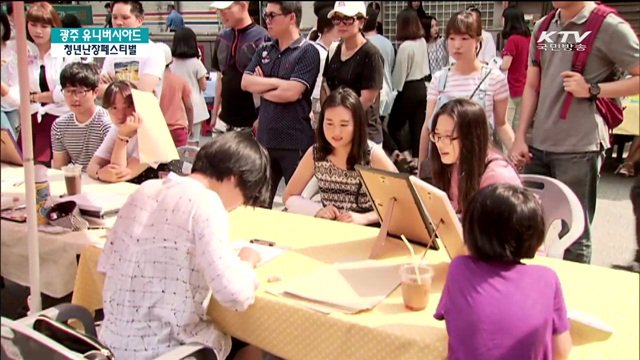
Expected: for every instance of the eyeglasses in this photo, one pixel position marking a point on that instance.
(76, 93)
(348, 21)
(270, 16)
(444, 139)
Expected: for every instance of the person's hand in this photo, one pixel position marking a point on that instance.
(351, 217)
(130, 125)
(113, 173)
(330, 213)
(258, 72)
(190, 130)
(250, 255)
(106, 79)
(575, 83)
(519, 153)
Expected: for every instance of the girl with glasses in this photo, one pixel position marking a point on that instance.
(463, 159)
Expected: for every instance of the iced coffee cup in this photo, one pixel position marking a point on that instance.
(73, 179)
(416, 285)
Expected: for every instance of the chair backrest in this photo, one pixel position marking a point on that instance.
(187, 156)
(558, 203)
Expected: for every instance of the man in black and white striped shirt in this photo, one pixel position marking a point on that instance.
(75, 137)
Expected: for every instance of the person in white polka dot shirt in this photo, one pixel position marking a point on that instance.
(170, 247)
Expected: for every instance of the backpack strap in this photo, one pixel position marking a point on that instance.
(442, 82)
(596, 18)
(484, 85)
(544, 26)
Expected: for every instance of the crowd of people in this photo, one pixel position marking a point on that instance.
(308, 110)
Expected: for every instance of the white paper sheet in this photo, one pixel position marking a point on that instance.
(267, 253)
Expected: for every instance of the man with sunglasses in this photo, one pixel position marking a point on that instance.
(284, 73)
(235, 47)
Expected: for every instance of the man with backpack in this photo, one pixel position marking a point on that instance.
(572, 99)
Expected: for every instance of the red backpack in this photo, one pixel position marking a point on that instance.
(610, 110)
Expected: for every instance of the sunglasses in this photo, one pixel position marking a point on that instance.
(348, 21)
(444, 139)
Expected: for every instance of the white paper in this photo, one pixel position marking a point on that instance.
(267, 253)
(97, 202)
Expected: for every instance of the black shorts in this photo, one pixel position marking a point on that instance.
(236, 346)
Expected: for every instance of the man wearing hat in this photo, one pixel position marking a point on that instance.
(233, 52)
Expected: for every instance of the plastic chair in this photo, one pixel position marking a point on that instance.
(558, 203)
(187, 156)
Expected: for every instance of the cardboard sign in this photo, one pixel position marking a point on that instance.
(155, 144)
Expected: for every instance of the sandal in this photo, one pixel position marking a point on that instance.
(627, 169)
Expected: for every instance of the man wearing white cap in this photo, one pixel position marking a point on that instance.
(233, 52)
(355, 63)
(284, 72)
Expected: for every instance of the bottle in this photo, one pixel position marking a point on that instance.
(42, 194)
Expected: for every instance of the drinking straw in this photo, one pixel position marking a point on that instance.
(413, 255)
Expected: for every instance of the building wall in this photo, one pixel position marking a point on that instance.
(196, 15)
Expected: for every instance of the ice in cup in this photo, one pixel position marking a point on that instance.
(73, 178)
(416, 284)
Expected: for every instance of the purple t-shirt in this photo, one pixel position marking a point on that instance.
(501, 311)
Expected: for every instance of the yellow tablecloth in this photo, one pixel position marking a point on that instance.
(289, 330)
(631, 123)
(57, 251)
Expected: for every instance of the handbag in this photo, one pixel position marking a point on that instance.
(67, 215)
(73, 340)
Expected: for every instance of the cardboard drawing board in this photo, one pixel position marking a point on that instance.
(10, 152)
(398, 208)
(355, 287)
(443, 217)
(155, 144)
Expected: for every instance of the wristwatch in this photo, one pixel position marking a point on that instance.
(594, 91)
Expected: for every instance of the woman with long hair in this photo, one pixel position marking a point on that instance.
(410, 73)
(436, 44)
(463, 159)
(417, 6)
(468, 78)
(184, 50)
(515, 57)
(47, 100)
(341, 144)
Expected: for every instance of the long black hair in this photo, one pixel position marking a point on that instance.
(421, 13)
(514, 23)
(345, 97)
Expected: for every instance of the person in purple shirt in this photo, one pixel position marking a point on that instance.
(494, 306)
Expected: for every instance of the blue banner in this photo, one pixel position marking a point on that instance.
(100, 36)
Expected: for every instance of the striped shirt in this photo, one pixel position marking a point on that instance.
(80, 141)
(463, 86)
